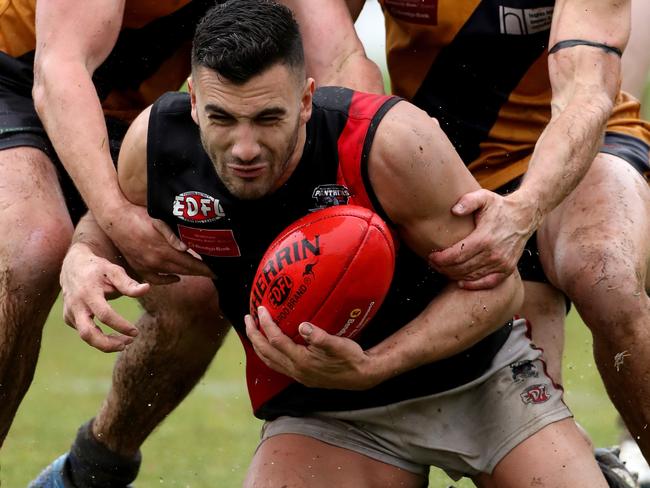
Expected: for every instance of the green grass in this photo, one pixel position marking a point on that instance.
(209, 440)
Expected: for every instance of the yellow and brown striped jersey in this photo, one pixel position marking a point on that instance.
(151, 55)
(480, 68)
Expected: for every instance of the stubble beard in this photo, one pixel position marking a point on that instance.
(246, 191)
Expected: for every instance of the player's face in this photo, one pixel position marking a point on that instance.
(254, 133)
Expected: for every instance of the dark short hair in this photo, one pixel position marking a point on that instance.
(242, 38)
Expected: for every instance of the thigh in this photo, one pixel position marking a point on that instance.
(28, 178)
(557, 456)
(296, 461)
(600, 234)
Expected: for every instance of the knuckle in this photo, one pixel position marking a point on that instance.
(275, 340)
(103, 313)
(86, 334)
(496, 257)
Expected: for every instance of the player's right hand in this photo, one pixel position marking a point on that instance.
(87, 282)
(149, 246)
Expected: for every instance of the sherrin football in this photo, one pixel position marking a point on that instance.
(332, 268)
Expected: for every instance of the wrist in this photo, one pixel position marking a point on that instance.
(529, 207)
(378, 367)
(109, 209)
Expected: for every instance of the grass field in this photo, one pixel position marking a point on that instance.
(210, 439)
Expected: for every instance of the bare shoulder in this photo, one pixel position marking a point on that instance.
(418, 176)
(132, 162)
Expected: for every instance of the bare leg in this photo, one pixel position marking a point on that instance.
(36, 233)
(600, 243)
(180, 332)
(298, 461)
(557, 456)
(545, 309)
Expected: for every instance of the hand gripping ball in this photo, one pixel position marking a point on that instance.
(332, 267)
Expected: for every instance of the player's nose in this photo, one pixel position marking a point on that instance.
(246, 147)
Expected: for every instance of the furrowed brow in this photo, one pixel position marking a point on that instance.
(271, 111)
(214, 109)
(217, 110)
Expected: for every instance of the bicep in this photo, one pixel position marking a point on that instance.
(418, 176)
(603, 21)
(77, 31)
(581, 69)
(132, 161)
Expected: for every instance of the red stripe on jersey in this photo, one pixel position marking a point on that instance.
(363, 108)
(263, 383)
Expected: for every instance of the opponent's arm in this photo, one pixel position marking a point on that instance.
(334, 55)
(585, 80)
(417, 177)
(73, 39)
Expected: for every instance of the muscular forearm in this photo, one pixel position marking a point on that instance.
(67, 103)
(453, 321)
(585, 80)
(564, 153)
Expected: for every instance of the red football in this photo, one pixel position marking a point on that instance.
(332, 268)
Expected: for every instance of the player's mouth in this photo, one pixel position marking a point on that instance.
(247, 171)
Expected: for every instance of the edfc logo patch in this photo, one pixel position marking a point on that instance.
(196, 206)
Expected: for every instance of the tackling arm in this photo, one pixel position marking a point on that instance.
(73, 39)
(334, 54)
(585, 80)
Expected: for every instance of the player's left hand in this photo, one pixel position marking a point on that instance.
(327, 361)
(490, 253)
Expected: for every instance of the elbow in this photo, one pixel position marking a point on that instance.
(39, 89)
(38, 95)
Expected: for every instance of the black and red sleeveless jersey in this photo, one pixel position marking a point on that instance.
(231, 235)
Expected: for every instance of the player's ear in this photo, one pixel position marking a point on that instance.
(306, 99)
(192, 92)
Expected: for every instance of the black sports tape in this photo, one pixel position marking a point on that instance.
(581, 42)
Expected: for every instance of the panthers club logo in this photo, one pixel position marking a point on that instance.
(330, 196)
